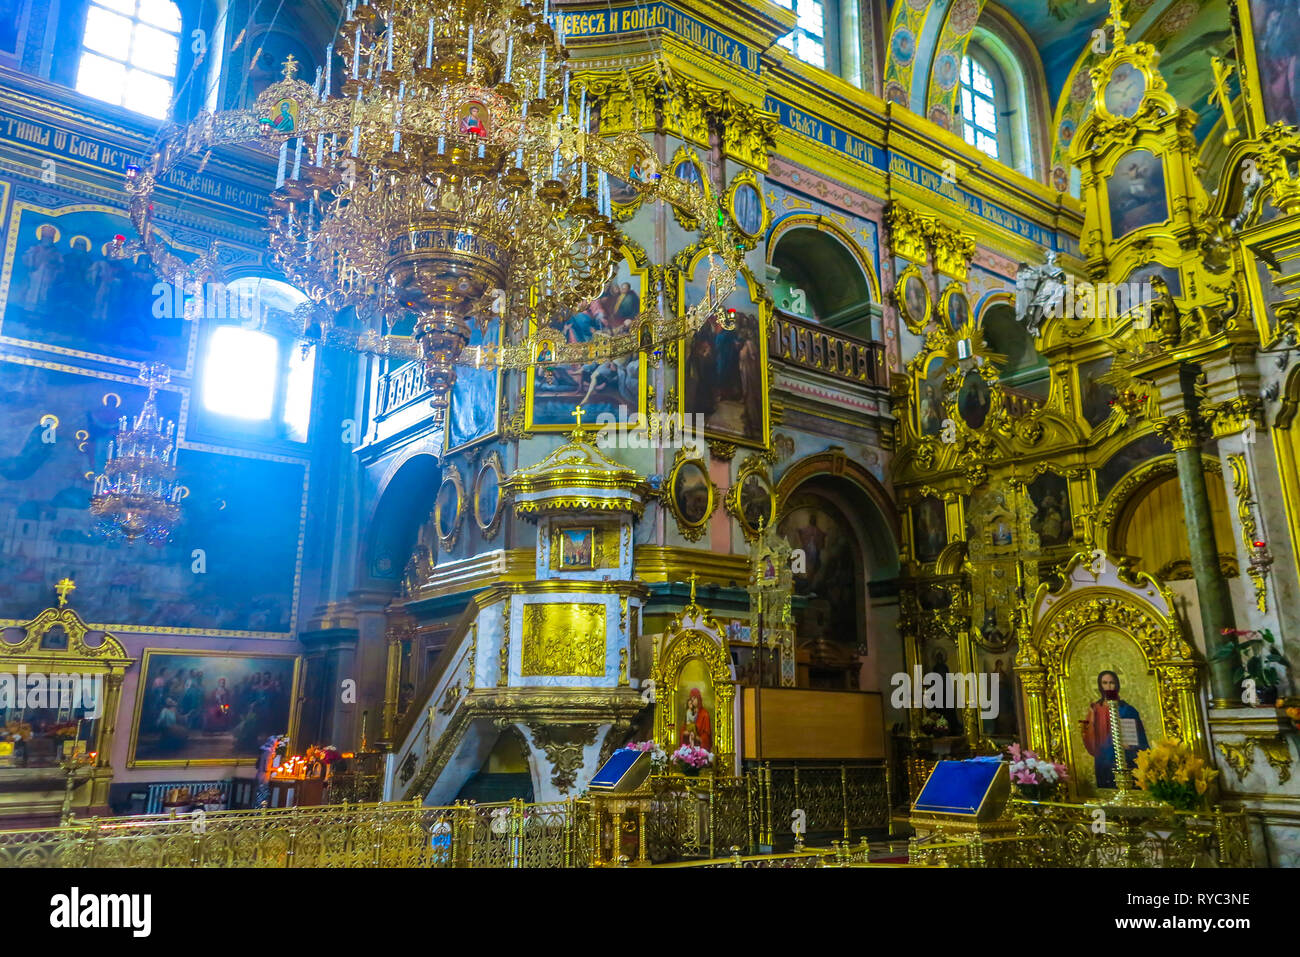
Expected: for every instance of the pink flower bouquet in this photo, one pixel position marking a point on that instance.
(1035, 778)
(691, 760)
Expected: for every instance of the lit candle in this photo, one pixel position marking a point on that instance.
(284, 158)
(469, 51)
(329, 69)
(541, 76)
(428, 47)
(510, 56)
(356, 55)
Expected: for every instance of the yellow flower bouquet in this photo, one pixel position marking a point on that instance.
(1169, 771)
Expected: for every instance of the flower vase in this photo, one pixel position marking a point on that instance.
(690, 771)
(1036, 792)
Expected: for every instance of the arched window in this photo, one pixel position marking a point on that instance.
(810, 40)
(250, 380)
(128, 54)
(979, 106)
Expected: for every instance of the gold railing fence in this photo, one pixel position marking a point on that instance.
(1051, 834)
(685, 818)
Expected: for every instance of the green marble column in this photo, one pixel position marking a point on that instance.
(1211, 587)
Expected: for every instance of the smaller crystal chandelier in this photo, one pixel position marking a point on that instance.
(137, 495)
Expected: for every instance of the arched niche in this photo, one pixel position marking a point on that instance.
(1025, 372)
(832, 509)
(401, 510)
(827, 268)
(694, 690)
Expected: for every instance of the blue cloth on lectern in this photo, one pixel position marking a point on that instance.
(619, 763)
(956, 787)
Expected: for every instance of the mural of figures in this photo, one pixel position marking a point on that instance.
(65, 291)
(1095, 397)
(213, 708)
(576, 548)
(599, 387)
(1051, 519)
(1136, 193)
(973, 400)
(1125, 90)
(722, 368)
(1277, 49)
(930, 528)
(268, 66)
(243, 512)
(474, 394)
(1127, 459)
(832, 566)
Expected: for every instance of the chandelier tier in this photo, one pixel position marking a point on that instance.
(455, 178)
(137, 495)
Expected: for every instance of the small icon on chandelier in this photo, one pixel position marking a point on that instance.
(474, 119)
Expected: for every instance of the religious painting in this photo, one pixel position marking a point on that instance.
(831, 566)
(929, 528)
(1136, 453)
(487, 496)
(447, 506)
(1171, 276)
(939, 657)
(1276, 30)
(694, 708)
(284, 115)
(476, 394)
(268, 53)
(1095, 398)
(747, 209)
(1004, 724)
(757, 501)
(915, 298)
(692, 492)
(956, 308)
(688, 171)
(1136, 193)
(1124, 91)
(738, 630)
(474, 119)
(722, 367)
(577, 548)
(209, 707)
(1051, 522)
(930, 409)
(1108, 666)
(603, 387)
(244, 512)
(63, 289)
(974, 399)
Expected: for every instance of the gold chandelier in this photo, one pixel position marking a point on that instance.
(136, 495)
(455, 178)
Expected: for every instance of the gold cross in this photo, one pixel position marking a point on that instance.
(693, 577)
(1222, 70)
(578, 412)
(290, 67)
(64, 586)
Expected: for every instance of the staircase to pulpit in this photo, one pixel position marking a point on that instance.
(543, 660)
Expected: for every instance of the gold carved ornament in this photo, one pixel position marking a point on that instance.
(563, 639)
(1246, 523)
(681, 648)
(753, 467)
